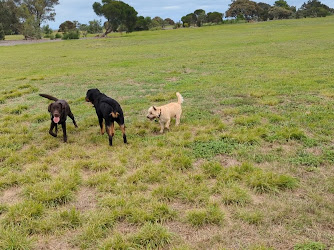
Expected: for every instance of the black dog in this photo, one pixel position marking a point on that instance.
(108, 109)
(59, 111)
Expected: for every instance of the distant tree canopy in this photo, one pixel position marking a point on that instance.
(215, 17)
(143, 23)
(189, 20)
(117, 13)
(169, 21)
(243, 8)
(9, 17)
(2, 32)
(263, 11)
(34, 13)
(314, 8)
(159, 21)
(200, 17)
(67, 26)
(94, 27)
(279, 13)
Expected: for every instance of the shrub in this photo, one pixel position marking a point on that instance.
(58, 35)
(73, 34)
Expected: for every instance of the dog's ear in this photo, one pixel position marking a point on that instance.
(49, 108)
(154, 108)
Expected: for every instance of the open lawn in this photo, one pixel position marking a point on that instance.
(250, 166)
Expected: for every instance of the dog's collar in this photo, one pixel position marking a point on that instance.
(159, 114)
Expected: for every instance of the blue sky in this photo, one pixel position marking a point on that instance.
(82, 11)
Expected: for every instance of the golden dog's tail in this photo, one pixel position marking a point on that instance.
(179, 98)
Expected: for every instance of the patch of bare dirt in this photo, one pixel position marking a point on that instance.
(227, 160)
(125, 228)
(86, 199)
(55, 242)
(11, 196)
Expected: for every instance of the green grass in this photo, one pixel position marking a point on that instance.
(253, 152)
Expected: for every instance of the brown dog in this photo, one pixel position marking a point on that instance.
(59, 110)
(166, 112)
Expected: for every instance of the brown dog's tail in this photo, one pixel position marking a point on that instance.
(179, 98)
(49, 97)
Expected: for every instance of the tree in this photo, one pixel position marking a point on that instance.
(160, 21)
(34, 13)
(314, 8)
(188, 20)
(143, 23)
(9, 17)
(117, 13)
(169, 21)
(40, 10)
(263, 11)
(282, 4)
(215, 17)
(279, 13)
(246, 8)
(94, 27)
(2, 32)
(47, 30)
(67, 26)
(200, 17)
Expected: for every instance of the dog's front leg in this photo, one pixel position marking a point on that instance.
(162, 126)
(51, 129)
(63, 125)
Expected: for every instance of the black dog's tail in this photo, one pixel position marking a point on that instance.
(49, 97)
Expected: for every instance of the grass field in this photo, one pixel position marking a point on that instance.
(250, 166)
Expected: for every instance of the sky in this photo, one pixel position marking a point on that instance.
(82, 10)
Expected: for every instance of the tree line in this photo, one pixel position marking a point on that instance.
(26, 16)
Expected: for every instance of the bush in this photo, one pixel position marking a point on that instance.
(73, 34)
(58, 35)
(2, 32)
